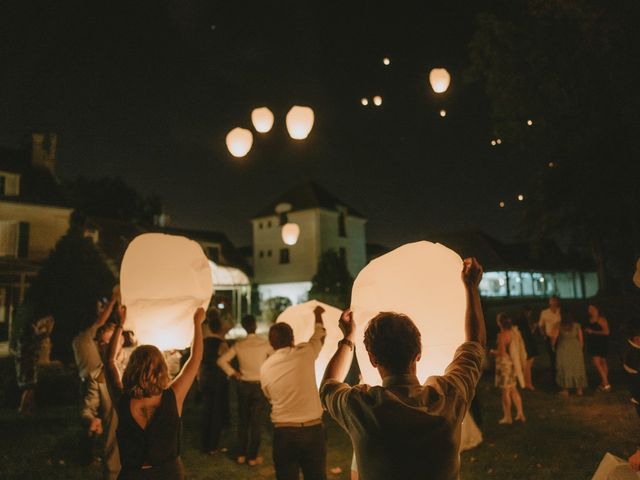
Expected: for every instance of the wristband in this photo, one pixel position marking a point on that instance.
(347, 342)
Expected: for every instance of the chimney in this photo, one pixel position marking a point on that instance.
(43, 150)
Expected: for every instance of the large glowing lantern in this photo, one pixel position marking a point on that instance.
(636, 276)
(439, 79)
(301, 319)
(239, 142)
(262, 119)
(422, 280)
(164, 279)
(299, 122)
(290, 233)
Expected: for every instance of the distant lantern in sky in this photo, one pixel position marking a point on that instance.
(439, 79)
(443, 113)
(421, 280)
(299, 122)
(551, 164)
(364, 101)
(499, 141)
(493, 143)
(501, 204)
(529, 122)
(520, 197)
(262, 119)
(164, 279)
(239, 141)
(301, 319)
(290, 233)
(377, 100)
(386, 61)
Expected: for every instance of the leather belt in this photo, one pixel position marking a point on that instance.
(310, 423)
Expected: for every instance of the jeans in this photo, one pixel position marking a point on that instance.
(251, 403)
(296, 448)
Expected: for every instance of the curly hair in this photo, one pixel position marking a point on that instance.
(146, 374)
(394, 340)
(280, 335)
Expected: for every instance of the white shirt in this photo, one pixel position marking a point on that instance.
(252, 351)
(549, 321)
(86, 354)
(288, 379)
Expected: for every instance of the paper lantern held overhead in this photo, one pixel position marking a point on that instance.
(299, 122)
(164, 279)
(290, 233)
(422, 280)
(439, 79)
(262, 119)
(301, 319)
(239, 142)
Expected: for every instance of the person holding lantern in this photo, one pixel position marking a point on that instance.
(403, 429)
(149, 406)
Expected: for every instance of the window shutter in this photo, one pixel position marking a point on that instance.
(23, 240)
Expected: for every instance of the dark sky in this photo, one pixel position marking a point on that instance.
(147, 90)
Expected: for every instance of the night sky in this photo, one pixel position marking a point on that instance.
(147, 90)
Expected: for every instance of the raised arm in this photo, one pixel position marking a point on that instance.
(106, 312)
(112, 374)
(184, 380)
(338, 366)
(319, 332)
(475, 329)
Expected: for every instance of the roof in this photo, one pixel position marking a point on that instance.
(495, 255)
(307, 196)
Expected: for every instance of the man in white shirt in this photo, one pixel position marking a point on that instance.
(97, 408)
(289, 382)
(548, 323)
(403, 429)
(251, 351)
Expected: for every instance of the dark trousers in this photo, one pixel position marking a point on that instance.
(215, 408)
(300, 448)
(250, 406)
(552, 357)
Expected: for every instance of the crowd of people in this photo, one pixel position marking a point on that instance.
(132, 406)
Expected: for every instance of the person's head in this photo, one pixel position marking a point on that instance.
(504, 321)
(249, 323)
(214, 321)
(554, 302)
(393, 342)
(566, 317)
(280, 335)
(593, 310)
(146, 374)
(105, 332)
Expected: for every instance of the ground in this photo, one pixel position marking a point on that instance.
(562, 439)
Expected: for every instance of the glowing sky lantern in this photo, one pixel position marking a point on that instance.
(163, 280)
(386, 61)
(262, 119)
(364, 101)
(290, 233)
(302, 320)
(439, 79)
(443, 113)
(377, 100)
(299, 122)
(422, 280)
(239, 141)
(636, 276)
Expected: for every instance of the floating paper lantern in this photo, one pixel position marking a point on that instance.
(520, 197)
(239, 141)
(636, 276)
(262, 119)
(364, 101)
(301, 319)
(530, 122)
(422, 280)
(299, 122)
(439, 79)
(443, 113)
(164, 279)
(501, 204)
(386, 61)
(377, 100)
(290, 233)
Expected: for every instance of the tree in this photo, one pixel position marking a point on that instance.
(570, 67)
(332, 282)
(71, 280)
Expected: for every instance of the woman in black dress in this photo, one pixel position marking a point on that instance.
(597, 345)
(149, 406)
(528, 326)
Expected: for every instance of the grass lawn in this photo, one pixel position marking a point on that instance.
(562, 439)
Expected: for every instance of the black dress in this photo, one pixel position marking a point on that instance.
(527, 337)
(214, 387)
(152, 452)
(597, 345)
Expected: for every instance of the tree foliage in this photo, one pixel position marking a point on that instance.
(571, 67)
(332, 282)
(71, 280)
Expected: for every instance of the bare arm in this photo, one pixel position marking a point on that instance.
(338, 366)
(319, 333)
(224, 362)
(554, 336)
(187, 375)
(475, 330)
(112, 375)
(106, 313)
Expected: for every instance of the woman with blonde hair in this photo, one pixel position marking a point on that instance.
(149, 406)
(510, 356)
